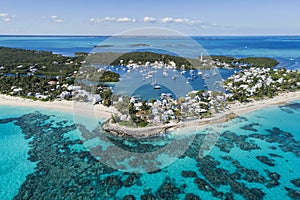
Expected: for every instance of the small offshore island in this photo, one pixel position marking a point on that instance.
(45, 76)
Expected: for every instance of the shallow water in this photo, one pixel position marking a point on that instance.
(258, 150)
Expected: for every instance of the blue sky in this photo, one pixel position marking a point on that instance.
(192, 17)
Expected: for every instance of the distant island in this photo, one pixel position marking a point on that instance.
(140, 45)
(202, 62)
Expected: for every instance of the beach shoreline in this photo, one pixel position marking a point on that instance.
(101, 112)
(73, 107)
(281, 99)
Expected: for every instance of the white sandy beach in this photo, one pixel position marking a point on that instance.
(99, 111)
(103, 112)
(283, 98)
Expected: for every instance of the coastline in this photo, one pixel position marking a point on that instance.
(234, 109)
(282, 98)
(86, 109)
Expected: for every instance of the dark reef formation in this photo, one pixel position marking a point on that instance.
(62, 173)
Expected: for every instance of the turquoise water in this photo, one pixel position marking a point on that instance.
(256, 157)
(14, 163)
(43, 155)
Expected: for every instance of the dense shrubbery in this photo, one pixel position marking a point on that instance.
(46, 63)
(108, 76)
(110, 58)
(270, 84)
(144, 57)
(29, 84)
(16, 63)
(252, 61)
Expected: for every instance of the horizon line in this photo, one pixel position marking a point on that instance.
(112, 35)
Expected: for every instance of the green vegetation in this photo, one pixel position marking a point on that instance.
(111, 58)
(144, 107)
(108, 76)
(30, 85)
(263, 83)
(259, 61)
(44, 63)
(91, 73)
(151, 57)
(137, 120)
(27, 73)
(106, 95)
(250, 61)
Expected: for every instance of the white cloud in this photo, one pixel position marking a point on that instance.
(167, 20)
(149, 19)
(195, 22)
(105, 19)
(180, 21)
(58, 21)
(7, 20)
(54, 18)
(109, 19)
(3, 15)
(123, 19)
(6, 17)
(112, 19)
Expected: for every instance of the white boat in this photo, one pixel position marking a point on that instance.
(165, 73)
(157, 87)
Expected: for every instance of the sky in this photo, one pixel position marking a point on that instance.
(191, 17)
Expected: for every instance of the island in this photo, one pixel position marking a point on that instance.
(38, 75)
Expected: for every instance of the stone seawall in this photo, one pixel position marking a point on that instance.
(145, 132)
(160, 130)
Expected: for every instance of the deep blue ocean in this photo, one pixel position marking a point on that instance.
(256, 156)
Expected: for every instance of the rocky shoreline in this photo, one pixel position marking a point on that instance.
(144, 132)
